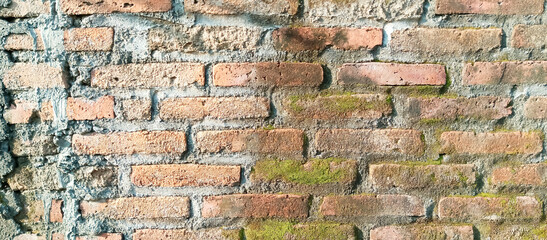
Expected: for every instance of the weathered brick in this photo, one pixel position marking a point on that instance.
(87, 7)
(57, 236)
(56, 211)
(149, 75)
(26, 177)
(338, 106)
(175, 234)
(529, 36)
(501, 7)
(181, 175)
(84, 109)
(359, 141)
(267, 74)
(520, 208)
(28, 236)
(350, 11)
(22, 76)
(372, 206)
(445, 41)
(18, 42)
(491, 143)
(255, 206)
(392, 74)
(414, 176)
(492, 73)
(144, 142)
(25, 8)
(306, 38)
(523, 175)
(214, 107)
(232, 7)
(294, 230)
(484, 108)
(103, 236)
(138, 208)
(515, 231)
(277, 141)
(24, 112)
(462, 232)
(97, 176)
(203, 38)
(319, 176)
(536, 108)
(137, 109)
(37, 146)
(88, 39)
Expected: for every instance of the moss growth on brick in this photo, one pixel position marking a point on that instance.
(294, 171)
(273, 229)
(236, 234)
(337, 102)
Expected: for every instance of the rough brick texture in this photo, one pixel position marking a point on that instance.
(25, 8)
(22, 76)
(304, 38)
(267, 74)
(392, 74)
(137, 109)
(491, 143)
(81, 7)
(372, 206)
(490, 208)
(138, 208)
(492, 73)
(89, 39)
(525, 36)
(278, 141)
(255, 206)
(150, 75)
(357, 141)
(423, 232)
(24, 112)
(536, 108)
(231, 7)
(18, 42)
(185, 175)
(502, 7)
(220, 108)
(524, 175)
(483, 108)
(83, 109)
(174, 234)
(143, 142)
(56, 211)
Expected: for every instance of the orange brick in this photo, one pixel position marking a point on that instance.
(86, 7)
(83, 109)
(18, 42)
(22, 76)
(267, 74)
(128, 143)
(138, 208)
(89, 39)
(215, 107)
(56, 211)
(392, 74)
(185, 175)
(493, 73)
(255, 206)
(521, 208)
(491, 143)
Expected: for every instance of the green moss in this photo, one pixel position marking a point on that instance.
(237, 234)
(269, 127)
(337, 102)
(317, 172)
(279, 230)
(431, 120)
(419, 163)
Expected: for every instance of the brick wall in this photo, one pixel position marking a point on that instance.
(280, 119)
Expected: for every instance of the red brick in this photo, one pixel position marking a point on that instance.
(148, 75)
(306, 38)
(359, 141)
(185, 175)
(483, 108)
(89, 39)
(176, 234)
(520, 208)
(233, 7)
(392, 74)
(138, 208)
(462, 232)
(536, 108)
(87, 7)
(144, 142)
(18, 42)
(103, 236)
(529, 36)
(25, 8)
(22, 76)
(56, 211)
(440, 42)
(84, 109)
(267, 74)
(372, 206)
(277, 141)
(214, 107)
(137, 109)
(386, 177)
(255, 206)
(337, 106)
(492, 73)
(523, 175)
(501, 7)
(491, 143)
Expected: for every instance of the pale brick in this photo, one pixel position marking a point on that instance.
(501, 7)
(305, 38)
(214, 107)
(89, 39)
(23, 76)
(372, 206)
(491, 143)
(392, 74)
(127, 143)
(84, 109)
(87, 7)
(138, 208)
(185, 175)
(233, 7)
(492, 73)
(267, 74)
(255, 206)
